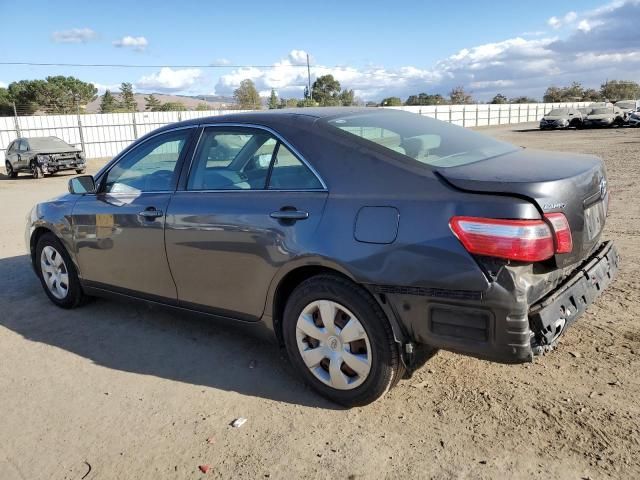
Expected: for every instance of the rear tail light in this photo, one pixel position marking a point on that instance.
(562, 231)
(521, 240)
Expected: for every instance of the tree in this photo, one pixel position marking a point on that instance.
(127, 99)
(55, 94)
(6, 102)
(273, 100)
(108, 103)
(246, 95)
(346, 98)
(325, 91)
(391, 102)
(591, 95)
(202, 107)
(552, 95)
(459, 97)
(499, 99)
(151, 103)
(523, 99)
(573, 93)
(616, 90)
(172, 107)
(426, 99)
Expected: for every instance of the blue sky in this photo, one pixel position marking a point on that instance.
(378, 48)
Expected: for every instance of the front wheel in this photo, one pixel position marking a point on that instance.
(57, 272)
(36, 171)
(11, 173)
(340, 341)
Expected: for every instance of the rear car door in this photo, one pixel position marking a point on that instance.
(250, 204)
(119, 232)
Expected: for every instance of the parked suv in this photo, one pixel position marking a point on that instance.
(42, 155)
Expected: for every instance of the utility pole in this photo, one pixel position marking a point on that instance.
(15, 120)
(309, 78)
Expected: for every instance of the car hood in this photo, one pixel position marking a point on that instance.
(601, 116)
(54, 149)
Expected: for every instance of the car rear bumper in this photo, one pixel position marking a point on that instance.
(501, 324)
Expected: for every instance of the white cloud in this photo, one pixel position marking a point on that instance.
(570, 17)
(554, 22)
(135, 43)
(584, 26)
(170, 80)
(102, 87)
(3, 85)
(298, 57)
(74, 35)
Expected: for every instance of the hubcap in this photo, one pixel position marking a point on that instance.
(333, 345)
(54, 272)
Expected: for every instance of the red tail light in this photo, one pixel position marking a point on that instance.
(522, 240)
(562, 231)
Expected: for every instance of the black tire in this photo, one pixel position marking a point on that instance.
(36, 170)
(386, 366)
(10, 172)
(81, 171)
(75, 296)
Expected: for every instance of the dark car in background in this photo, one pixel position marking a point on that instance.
(562, 118)
(42, 155)
(362, 240)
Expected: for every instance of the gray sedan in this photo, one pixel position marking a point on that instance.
(42, 155)
(362, 240)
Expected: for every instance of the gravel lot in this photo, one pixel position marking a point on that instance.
(133, 392)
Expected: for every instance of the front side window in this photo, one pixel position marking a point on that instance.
(429, 141)
(150, 167)
(23, 146)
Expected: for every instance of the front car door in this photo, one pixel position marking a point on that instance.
(119, 232)
(10, 154)
(22, 154)
(249, 205)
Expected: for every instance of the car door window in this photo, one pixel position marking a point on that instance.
(12, 148)
(289, 173)
(23, 146)
(150, 167)
(232, 159)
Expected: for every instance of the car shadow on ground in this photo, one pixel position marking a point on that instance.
(28, 176)
(134, 337)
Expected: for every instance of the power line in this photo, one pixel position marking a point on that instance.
(130, 65)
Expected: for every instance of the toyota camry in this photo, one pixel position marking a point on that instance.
(361, 240)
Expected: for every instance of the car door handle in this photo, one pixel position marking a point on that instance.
(151, 213)
(289, 215)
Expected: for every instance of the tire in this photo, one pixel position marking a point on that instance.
(10, 172)
(81, 171)
(329, 372)
(56, 255)
(36, 170)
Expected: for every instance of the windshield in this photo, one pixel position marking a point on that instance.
(558, 111)
(424, 139)
(601, 111)
(626, 104)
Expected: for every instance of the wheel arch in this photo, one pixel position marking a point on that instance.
(287, 281)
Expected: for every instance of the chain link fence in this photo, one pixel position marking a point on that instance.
(103, 135)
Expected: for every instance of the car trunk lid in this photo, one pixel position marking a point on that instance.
(555, 182)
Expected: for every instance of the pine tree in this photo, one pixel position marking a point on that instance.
(151, 103)
(127, 99)
(273, 100)
(108, 103)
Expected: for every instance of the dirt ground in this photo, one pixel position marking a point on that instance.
(127, 391)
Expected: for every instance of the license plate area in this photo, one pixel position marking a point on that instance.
(594, 220)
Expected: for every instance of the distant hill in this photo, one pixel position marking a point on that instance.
(216, 102)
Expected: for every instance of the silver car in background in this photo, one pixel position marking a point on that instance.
(562, 118)
(42, 155)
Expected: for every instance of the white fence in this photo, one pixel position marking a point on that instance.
(105, 134)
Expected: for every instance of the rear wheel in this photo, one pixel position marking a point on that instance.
(340, 341)
(57, 272)
(36, 170)
(10, 172)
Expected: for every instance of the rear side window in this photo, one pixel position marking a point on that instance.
(289, 173)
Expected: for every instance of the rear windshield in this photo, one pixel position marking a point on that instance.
(424, 139)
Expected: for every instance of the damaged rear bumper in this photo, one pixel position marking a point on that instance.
(502, 324)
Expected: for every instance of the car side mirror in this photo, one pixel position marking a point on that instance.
(82, 184)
